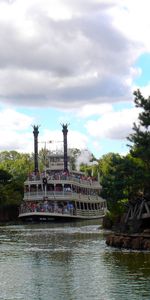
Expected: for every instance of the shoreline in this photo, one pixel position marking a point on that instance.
(136, 241)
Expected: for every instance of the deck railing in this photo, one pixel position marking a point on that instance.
(59, 195)
(62, 212)
(57, 178)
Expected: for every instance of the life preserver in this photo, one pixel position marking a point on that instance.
(45, 180)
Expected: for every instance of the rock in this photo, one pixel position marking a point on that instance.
(134, 242)
(126, 243)
(146, 244)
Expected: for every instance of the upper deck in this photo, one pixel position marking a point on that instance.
(61, 177)
(55, 174)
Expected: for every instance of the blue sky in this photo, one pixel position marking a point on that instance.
(143, 62)
(75, 62)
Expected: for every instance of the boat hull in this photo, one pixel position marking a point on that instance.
(46, 216)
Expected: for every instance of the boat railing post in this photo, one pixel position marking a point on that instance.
(45, 190)
(37, 189)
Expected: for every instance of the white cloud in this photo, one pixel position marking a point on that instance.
(13, 130)
(16, 134)
(133, 19)
(97, 109)
(75, 55)
(113, 125)
(97, 146)
(11, 119)
(54, 53)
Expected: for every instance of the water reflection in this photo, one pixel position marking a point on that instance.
(131, 270)
(68, 261)
(133, 262)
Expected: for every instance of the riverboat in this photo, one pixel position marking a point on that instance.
(60, 192)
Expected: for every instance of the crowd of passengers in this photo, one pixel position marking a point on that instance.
(46, 206)
(61, 189)
(61, 176)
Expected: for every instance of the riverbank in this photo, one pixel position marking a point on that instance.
(136, 241)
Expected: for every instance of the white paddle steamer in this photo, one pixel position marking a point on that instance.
(59, 192)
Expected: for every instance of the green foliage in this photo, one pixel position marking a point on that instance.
(5, 177)
(14, 168)
(112, 178)
(140, 139)
(17, 164)
(10, 193)
(86, 169)
(122, 178)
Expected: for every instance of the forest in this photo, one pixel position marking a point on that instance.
(123, 178)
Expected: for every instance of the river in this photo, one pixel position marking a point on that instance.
(69, 261)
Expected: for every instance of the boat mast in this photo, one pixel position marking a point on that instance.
(35, 133)
(65, 131)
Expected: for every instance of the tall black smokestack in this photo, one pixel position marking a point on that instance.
(35, 133)
(65, 131)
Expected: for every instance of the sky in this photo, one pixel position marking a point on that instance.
(76, 62)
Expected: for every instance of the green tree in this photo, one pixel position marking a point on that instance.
(17, 164)
(5, 177)
(120, 179)
(6, 190)
(14, 168)
(112, 178)
(140, 138)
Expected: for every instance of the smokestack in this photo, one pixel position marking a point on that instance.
(65, 131)
(35, 133)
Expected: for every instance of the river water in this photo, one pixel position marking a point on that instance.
(69, 261)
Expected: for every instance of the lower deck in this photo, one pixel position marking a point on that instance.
(63, 209)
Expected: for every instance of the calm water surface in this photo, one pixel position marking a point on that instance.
(68, 261)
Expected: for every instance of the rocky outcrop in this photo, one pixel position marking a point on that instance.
(134, 241)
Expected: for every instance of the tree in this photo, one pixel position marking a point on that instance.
(140, 138)
(120, 177)
(14, 168)
(112, 178)
(4, 177)
(8, 191)
(17, 164)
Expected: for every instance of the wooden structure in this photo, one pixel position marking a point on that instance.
(138, 210)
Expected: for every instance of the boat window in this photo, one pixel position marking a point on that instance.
(39, 187)
(50, 187)
(82, 205)
(58, 188)
(78, 206)
(33, 188)
(93, 206)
